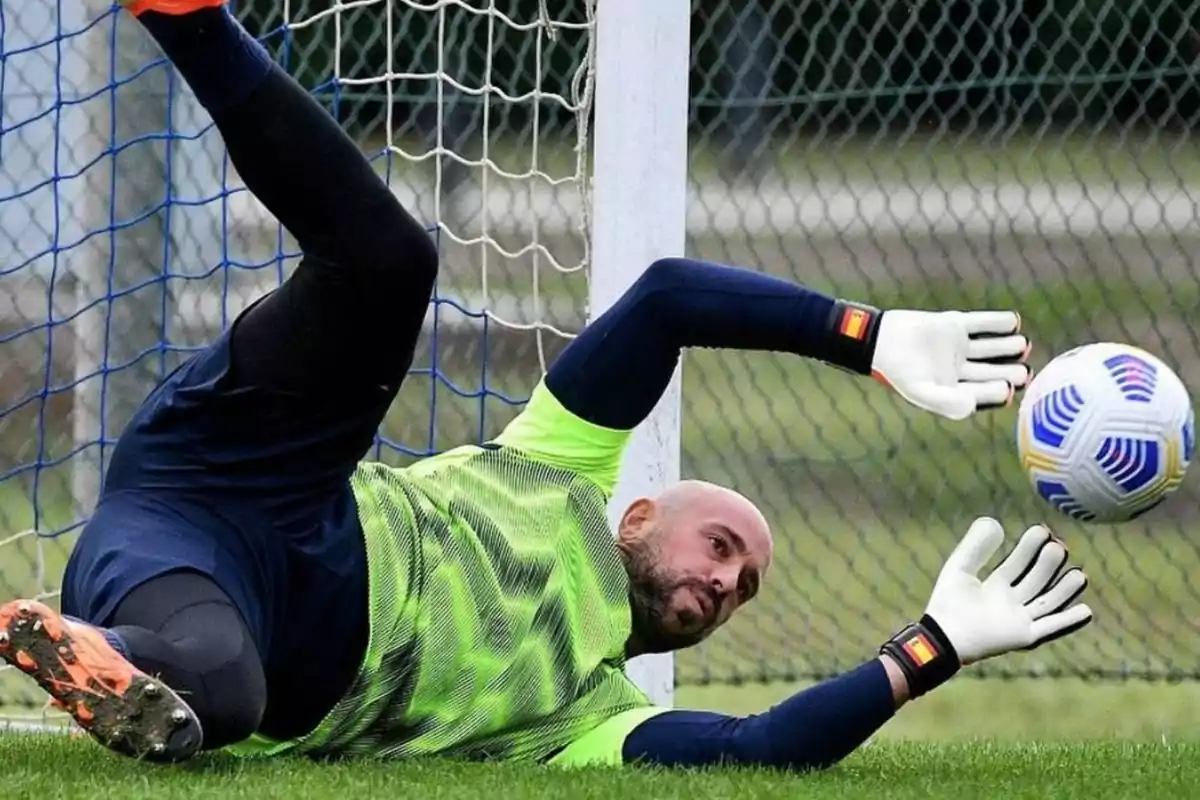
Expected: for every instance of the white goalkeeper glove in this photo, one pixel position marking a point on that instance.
(1025, 602)
(952, 363)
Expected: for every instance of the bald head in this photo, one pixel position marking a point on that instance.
(721, 506)
(694, 554)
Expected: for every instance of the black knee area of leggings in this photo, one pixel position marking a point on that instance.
(184, 629)
(404, 258)
(386, 257)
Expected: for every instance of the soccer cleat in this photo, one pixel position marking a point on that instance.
(120, 706)
(171, 7)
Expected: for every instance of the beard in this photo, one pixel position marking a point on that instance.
(650, 592)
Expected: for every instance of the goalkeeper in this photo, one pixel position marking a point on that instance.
(246, 583)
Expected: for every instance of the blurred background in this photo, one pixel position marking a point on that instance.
(928, 153)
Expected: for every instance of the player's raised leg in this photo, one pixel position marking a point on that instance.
(260, 433)
(335, 341)
(288, 402)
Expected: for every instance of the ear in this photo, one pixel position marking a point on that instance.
(637, 519)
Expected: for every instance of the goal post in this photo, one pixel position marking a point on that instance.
(640, 203)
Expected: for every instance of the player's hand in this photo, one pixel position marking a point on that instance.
(1026, 601)
(952, 363)
(1022, 604)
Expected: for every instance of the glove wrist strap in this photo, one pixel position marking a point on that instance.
(924, 654)
(853, 330)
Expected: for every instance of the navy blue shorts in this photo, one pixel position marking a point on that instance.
(246, 484)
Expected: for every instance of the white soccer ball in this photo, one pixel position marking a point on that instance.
(1105, 432)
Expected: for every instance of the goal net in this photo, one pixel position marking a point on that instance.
(129, 241)
(919, 157)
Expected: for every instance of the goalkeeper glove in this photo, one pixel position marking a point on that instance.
(952, 363)
(1019, 606)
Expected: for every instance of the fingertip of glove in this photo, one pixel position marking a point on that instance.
(1086, 615)
(1054, 537)
(986, 525)
(1041, 534)
(1009, 395)
(1028, 379)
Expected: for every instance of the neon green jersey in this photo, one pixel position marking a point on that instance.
(498, 601)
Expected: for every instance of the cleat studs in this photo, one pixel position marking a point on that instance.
(179, 716)
(24, 608)
(158, 748)
(152, 690)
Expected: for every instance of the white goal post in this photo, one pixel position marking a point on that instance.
(643, 53)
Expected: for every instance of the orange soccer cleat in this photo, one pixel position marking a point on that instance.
(119, 705)
(172, 7)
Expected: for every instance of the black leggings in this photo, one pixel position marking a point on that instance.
(330, 348)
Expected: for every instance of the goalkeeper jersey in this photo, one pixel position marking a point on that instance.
(498, 600)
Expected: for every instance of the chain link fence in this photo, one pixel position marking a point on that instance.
(939, 155)
(925, 154)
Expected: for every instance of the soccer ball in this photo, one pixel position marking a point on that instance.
(1105, 432)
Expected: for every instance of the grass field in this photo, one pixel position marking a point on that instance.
(42, 767)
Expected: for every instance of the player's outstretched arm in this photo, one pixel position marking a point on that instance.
(950, 363)
(1026, 601)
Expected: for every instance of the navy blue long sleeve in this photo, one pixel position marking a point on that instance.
(616, 370)
(813, 729)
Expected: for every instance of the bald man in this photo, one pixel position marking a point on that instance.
(694, 554)
(246, 582)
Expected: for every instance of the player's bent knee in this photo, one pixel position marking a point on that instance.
(408, 263)
(396, 251)
(184, 629)
(232, 701)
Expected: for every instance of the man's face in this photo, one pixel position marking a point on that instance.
(694, 556)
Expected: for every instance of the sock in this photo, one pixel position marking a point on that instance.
(214, 53)
(112, 637)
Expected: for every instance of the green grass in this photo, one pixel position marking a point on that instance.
(43, 767)
(966, 709)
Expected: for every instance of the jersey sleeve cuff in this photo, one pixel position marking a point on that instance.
(604, 745)
(547, 430)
